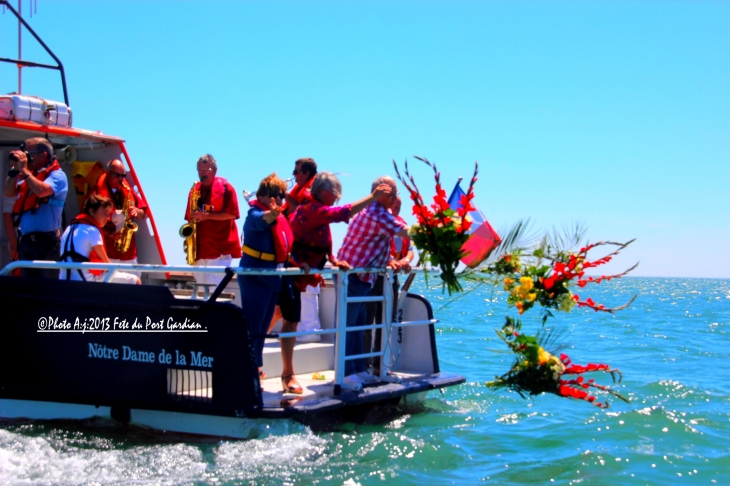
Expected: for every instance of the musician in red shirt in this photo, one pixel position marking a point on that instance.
(113, 184)
(217, 234)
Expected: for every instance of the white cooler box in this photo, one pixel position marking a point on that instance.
(32, 108)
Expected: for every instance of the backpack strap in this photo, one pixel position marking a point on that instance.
(69, 251)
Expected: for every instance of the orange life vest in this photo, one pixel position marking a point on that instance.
(28, 200)
(282, 235)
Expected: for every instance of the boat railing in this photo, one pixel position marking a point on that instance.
(341, 283)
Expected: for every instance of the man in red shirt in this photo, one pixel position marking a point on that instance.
(113, 184)
(217, 234)
(304, 172)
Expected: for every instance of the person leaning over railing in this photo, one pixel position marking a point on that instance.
(82, 242)
(367, 245)
(267, 244)
(400, 251)
(313, 245)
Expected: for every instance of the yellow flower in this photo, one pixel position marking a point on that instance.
(520, 307)
(543, 357)
(526, 283)
(531, 297)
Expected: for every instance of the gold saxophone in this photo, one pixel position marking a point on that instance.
(128, 230)
(189, 230)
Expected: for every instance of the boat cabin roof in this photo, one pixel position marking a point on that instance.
(16, 132)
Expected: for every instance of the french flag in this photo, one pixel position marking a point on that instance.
(482, 237)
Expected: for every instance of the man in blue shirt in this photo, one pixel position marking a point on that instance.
(40, 185)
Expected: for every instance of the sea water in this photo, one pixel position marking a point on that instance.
(672, 345)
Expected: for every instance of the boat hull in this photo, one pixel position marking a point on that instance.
(375, 404)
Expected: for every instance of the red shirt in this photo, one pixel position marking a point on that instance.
(102, 188)
(367, 242)
(217, 238)
(310, 224)
(401, 245)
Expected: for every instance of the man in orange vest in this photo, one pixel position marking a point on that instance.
(113, 184)
(40, 185)
(304, 172)
(217, 234)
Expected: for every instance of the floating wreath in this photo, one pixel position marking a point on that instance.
(536, 370)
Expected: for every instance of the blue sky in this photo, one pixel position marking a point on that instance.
(614, 114)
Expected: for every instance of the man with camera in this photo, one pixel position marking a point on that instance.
(36, 179)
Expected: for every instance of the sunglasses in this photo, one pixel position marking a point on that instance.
(121, 176)
(30, 155)
(278, 194)
(297, 171)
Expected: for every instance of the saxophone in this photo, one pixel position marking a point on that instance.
(189, 230)
(124, 240)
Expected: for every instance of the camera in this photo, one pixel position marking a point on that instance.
(13, 158)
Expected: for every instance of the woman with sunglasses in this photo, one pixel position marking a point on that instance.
(267, 244)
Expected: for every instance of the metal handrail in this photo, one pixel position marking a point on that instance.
(59, 66)
(143, 267)
(341, 293)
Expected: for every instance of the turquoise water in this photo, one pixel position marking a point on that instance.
(673, 346)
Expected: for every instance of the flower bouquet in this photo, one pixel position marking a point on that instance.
(546, 280)
(536, 370)
(440, 232)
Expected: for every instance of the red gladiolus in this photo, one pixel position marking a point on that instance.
(549, 282)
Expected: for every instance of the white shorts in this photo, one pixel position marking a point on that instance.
(212, 278)
(133, 261)
(309, 316)
(119, 277)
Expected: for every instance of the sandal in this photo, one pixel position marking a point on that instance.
(288, 388)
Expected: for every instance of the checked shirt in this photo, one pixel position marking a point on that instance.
(368, 239)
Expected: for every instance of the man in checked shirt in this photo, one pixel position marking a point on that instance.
(367, 244)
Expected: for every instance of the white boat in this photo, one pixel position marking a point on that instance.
(167, 355)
